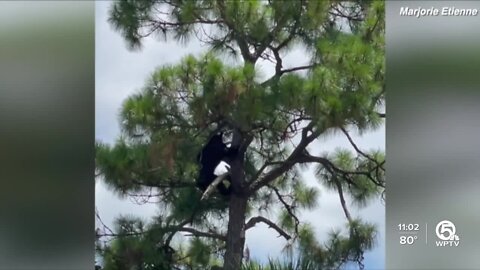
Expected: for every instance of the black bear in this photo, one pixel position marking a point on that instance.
(214, 152)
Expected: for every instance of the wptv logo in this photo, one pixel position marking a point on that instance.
(446, 232)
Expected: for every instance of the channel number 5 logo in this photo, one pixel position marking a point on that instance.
(446, 230)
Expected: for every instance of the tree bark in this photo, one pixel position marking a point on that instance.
(237, 206)
(236, 233)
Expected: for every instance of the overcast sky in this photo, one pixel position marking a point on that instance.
(120, 72)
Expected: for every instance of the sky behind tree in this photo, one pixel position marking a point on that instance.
(120, 73)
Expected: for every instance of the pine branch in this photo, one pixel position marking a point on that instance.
(279, 72)
(342, 200)
(288, 207)
(105, 227)
(356, 147)
(173, 229)
(172, 183)
(297, 156)
(254, 220)
(283, 71)
(237, 35)
(333, 169)
(264, 166)
(203, 234)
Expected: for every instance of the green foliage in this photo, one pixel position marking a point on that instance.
(119, 164)
(365, 183)
(199, 253)
(137, 248)
(306, 197)
(165, 124)
(298, 264)
(127, 17)
(339, 248)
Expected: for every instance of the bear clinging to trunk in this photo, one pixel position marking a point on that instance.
(212, 154)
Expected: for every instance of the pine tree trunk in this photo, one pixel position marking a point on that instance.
(237, 210)
(236, 233)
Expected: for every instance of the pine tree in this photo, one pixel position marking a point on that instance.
(272, 122)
